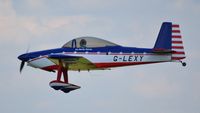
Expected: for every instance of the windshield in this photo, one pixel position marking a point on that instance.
(88, 42)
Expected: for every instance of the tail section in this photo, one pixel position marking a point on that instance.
(169, 40)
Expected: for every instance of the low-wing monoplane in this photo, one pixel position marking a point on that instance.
(91, 53)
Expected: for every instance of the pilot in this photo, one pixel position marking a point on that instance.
(83, 43)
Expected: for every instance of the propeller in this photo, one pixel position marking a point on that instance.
(21, 58)
(21, 66)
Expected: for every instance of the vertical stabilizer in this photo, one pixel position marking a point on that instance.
(164, 39)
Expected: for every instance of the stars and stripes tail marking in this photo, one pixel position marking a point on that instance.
(177, 43)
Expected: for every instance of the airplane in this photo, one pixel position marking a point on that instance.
(91, 53)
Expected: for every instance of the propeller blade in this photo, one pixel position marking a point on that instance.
(21, 57)
(22, 66)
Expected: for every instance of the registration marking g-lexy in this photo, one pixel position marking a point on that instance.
(129, 58)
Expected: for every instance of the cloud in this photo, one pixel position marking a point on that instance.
(11, 29)
(18, 29)
(156, 88)
(35, 4)
(93, 4)
(186, 4)
(6, 8)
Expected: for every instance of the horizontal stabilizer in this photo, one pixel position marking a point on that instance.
(162, 51)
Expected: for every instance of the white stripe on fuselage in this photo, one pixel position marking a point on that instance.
(42, 62)
(126, 58)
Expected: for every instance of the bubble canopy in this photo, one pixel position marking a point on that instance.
(88, 42)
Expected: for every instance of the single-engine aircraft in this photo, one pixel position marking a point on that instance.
(91, 53)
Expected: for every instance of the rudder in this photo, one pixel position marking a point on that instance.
(177, 43)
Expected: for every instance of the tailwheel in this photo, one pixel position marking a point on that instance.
(63, 85)
(183, 63)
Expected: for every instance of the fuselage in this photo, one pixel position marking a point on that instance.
(92, 53)
(99, 57)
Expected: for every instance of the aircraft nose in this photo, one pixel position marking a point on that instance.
(23, 57)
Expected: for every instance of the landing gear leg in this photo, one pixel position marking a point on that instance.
(59, 73)
(63, 85)
(65, 75)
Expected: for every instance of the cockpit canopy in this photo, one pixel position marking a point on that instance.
(88, 42)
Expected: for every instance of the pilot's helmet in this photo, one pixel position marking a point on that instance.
(83, 43)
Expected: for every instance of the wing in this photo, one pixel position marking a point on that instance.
(72, 62)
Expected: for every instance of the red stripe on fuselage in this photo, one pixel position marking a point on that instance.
(45, 56)
(118, 64)
(50, 68)
(104, 65)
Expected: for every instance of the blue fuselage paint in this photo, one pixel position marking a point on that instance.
(115, 49)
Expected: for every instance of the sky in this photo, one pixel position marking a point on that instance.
(45, 24)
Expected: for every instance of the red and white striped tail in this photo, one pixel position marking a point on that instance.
(177, 43)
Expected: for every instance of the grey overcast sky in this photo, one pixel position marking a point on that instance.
(46, 24)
